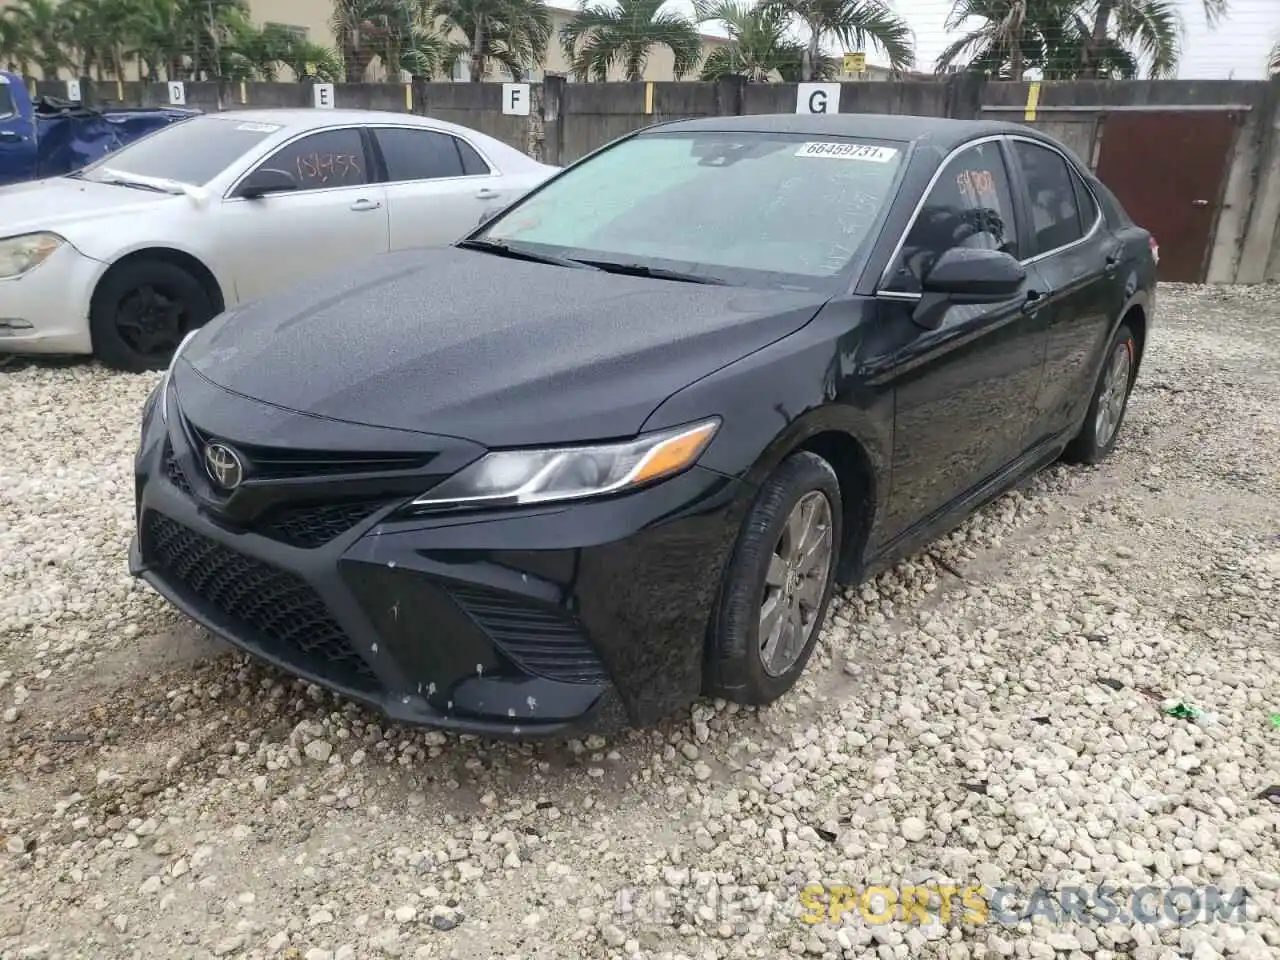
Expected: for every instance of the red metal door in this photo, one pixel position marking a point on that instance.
(1168, 170)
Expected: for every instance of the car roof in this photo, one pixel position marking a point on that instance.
(943, 132)
(298, 119)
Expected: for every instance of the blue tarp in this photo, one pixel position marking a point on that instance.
(71, 139)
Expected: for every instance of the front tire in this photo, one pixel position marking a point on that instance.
(1110, 401)
(778, 584)
(142, 310)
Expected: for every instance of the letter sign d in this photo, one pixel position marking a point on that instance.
(818, 98)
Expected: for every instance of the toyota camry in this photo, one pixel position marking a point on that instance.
(615, 448)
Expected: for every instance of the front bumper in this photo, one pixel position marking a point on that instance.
(46, 311)
(542, 621)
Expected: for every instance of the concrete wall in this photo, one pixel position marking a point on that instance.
(569, 120)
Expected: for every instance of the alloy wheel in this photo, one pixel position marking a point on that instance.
(795, 583)
(1111, 399)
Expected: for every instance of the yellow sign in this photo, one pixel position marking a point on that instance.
(855, 63)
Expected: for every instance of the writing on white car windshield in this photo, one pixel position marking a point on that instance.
(742, 208)
(189, 151)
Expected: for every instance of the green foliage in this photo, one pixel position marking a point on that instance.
(855, 24)
(602, 36)
(1070, 39)
(759, 47)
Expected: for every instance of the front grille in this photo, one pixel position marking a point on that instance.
(317, 524)
(278, 610)
(283, 463)
(539, 640)
(173, 470)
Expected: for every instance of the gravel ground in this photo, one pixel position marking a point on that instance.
(992, 711)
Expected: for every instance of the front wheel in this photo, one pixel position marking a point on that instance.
(778, 584)
(1097, 436)
(142, 310)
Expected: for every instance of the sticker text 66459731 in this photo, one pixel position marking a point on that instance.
(848, 151)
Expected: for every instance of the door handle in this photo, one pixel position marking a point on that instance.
(8, 136)
(1112, 261)
(362, 205)
(1034, 301)
(1199, 203)
(484, 193)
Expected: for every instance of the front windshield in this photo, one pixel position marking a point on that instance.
(189, 151)
(744, 208)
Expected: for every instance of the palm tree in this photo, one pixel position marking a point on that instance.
(44, 28)
(1130, 21)
(600, 36)
(511, 33)
(758, 46)
(1052, 35)
(854, 23)
(16, 44)
(1008, 37)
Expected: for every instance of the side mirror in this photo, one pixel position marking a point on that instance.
(262, 182)
(975, 276)
(965, 276)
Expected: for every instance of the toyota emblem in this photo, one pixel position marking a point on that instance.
(223, 465)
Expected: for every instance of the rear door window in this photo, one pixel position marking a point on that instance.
(1054, 205)
(418, 154)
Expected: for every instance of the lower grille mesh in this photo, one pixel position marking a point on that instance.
(314, 526)
(540, 641)
(173, 470)
(285, 616)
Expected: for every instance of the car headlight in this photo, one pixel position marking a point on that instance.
(20, 254)
(168, 375)
(518, 477)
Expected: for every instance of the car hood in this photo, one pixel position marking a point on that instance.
(58, 202)
(498, 351)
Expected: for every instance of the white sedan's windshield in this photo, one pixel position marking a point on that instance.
(189, 151)
(736, 207)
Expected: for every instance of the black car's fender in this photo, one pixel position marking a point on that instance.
(804, 391)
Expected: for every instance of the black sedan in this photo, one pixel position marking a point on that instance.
(615, 448)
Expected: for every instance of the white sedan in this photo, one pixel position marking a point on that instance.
(123, 258)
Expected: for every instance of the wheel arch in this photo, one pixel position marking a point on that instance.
(1135, 316)
(178, 258)
(859, 464)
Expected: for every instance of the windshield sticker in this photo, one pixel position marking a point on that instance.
(259, 127)
(848, 151)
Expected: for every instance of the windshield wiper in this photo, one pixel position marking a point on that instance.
(120, 178)
(122, 182)
(655, 273)
(503, 249)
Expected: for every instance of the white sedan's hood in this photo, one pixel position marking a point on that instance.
(60, 203)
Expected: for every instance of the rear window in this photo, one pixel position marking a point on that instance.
(188, 151)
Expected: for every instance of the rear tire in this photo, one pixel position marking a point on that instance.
(1110, 401)
(142, 310)
(778, 583)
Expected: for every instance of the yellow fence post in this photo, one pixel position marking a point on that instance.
(1033, 100)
